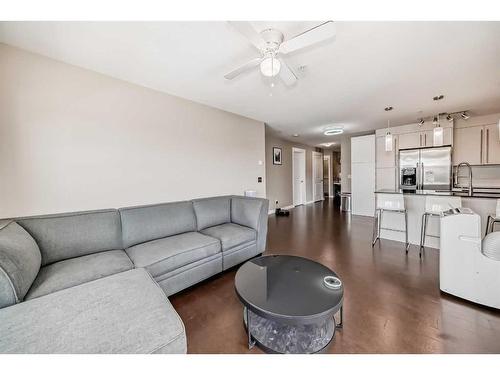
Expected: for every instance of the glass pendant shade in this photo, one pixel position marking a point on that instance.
(438, 136)
(270, 66)
(388, 142)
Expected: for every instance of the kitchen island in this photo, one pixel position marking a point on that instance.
(481, 202)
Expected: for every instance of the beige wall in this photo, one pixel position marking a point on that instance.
(279, 177)
(72, 139)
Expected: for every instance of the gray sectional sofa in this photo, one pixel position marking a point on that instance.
(98, 281)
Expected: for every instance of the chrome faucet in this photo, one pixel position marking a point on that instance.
(470, 175)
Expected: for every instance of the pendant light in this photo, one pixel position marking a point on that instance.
(438, 134)
(388, 139)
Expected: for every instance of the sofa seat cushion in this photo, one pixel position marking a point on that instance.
(231, 235)
(123, 313)
(72, 272)
(166, 254)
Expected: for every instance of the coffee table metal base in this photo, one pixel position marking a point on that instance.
(275, 337)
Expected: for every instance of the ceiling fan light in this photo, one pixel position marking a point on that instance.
(270, 66)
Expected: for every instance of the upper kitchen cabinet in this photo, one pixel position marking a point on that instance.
(468, 145)
(477, 145)
(386, 159)
(492, 145)
(424, 138)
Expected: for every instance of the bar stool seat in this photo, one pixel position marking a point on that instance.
(435, 207)
(389, 203)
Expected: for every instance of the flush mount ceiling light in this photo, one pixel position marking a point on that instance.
(295, 135)
(328, 144)
(438, 97)
(333, 131)
(465, 115)
(270, 66)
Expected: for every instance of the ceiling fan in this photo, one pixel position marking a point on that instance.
(272, 47)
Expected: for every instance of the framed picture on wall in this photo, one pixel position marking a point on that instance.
(277, 152)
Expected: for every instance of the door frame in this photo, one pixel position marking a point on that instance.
(313, 177)
(303, 195)
(330, 173)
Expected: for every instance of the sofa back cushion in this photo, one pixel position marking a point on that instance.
(212, 211)
(246, 211)
(64, 236)
(20, 261)
(147, 223)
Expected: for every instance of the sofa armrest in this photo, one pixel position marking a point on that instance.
(253, 213)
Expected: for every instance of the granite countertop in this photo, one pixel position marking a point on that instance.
(446, 193)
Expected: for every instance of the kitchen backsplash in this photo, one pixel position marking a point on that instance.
(483, 176)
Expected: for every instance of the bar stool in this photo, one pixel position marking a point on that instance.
(490, 223)
(389, 203)
(435, 207)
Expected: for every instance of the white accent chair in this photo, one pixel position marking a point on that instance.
(435, 207)
(389, 203)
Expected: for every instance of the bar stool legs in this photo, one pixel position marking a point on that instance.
(377, 227)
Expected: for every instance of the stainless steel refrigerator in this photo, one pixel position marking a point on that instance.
(425, 169)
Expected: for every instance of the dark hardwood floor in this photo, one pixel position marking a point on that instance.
(392, 301)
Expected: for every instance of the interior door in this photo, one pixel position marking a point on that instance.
(317, 176)
(299, 177)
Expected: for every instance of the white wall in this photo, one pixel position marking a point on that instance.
(72, 139)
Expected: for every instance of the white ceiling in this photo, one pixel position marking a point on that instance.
(346, 81)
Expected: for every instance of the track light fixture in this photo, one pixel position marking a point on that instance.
(465, 115)
(449, 118)
(421, 122)
(435, 121)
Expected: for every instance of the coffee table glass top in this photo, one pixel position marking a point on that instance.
(287, 287)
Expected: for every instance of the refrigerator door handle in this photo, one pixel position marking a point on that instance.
(418, 176)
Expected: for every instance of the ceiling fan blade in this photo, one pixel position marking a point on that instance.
(246, 29)
(312, 36)
(249, 65)
(286, 74)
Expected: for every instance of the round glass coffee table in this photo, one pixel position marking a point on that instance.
(288, 307)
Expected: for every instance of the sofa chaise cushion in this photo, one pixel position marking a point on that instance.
(123, 313)
(212, 211)
(75, 271)
(166, 254)
(146, 223)
(231, 235)
(70, 235)
(20, 261)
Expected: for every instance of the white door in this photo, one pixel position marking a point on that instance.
(299, 176)
(317, 176)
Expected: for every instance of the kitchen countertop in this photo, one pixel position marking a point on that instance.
(446, 193)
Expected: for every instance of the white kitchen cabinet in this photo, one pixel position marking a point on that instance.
(492, 145)
(386, 179)
(468, 145)
(386, 158)
(410, 140)
(363, 175)
(424, 138)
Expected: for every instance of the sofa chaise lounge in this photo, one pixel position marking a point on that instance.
(98, 281)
